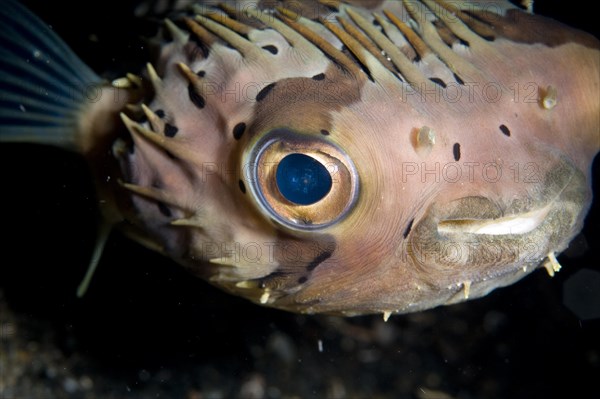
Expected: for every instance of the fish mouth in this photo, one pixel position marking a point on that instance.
(522, 223)
(484, 242)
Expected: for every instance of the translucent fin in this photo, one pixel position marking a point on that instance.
(104, 229)
(44, 84)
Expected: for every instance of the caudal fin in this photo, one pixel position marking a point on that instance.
(43, 84)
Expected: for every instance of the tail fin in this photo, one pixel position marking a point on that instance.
(43, 83)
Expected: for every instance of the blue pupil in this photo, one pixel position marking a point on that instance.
(302, 179)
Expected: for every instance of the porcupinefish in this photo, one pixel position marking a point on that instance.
(345, 157)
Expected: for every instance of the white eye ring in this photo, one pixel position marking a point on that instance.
(261, 165)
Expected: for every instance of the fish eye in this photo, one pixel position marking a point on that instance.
(302, 180)
(299, 180)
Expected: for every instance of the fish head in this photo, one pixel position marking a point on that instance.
(314, 177)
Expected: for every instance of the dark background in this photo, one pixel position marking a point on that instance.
(146, 328)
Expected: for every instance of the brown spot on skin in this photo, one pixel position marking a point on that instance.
(456, 151)
(271, 49)
(505, 130)
(439, 82)
(322, 257)
(458, 79)
(196, 99)
(170, 130)
(239, 130)
(523, 27)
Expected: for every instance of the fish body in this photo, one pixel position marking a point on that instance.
(339, 157)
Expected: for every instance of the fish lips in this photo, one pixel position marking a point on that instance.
(487, 243)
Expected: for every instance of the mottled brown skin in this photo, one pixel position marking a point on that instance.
(419, 139)
(521, 27)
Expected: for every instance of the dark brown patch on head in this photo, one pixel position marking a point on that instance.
(242, 186)
(325, 132)
(523, 27)
(305, 104)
